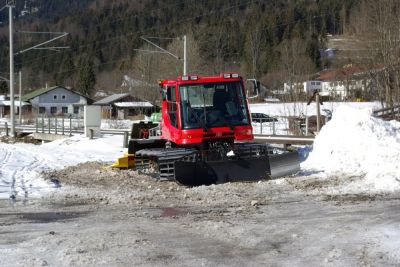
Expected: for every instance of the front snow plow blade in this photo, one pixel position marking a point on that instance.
(125, 162)
(285, 164)
(236, 170)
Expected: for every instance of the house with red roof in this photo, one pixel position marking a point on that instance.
(347, 82)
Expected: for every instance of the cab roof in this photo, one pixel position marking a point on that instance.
(192, 79)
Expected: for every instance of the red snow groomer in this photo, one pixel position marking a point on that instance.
(205, 135)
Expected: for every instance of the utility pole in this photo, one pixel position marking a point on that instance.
(184, 55)
(20, 98)
(11, 5)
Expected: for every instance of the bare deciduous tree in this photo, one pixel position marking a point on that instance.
(296, 67)
(376, 23)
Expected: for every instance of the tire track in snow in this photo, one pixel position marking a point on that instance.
(11, 181)
(5, 183)
(24, 163)
(24, 175)
(33, 165)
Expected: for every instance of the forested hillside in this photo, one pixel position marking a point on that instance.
(266, 39)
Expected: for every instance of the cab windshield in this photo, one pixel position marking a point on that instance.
(213, 105)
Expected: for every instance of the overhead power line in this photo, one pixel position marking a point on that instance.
(40, 46)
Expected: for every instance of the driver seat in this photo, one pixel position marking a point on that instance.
(220, 98)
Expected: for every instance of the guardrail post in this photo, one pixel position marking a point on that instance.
(299, 126)
(6, 125)
(70, 126)
(63, 125)
(318, 112)
(307, 125)
(273, 127)
(126, 139)
(55, 119)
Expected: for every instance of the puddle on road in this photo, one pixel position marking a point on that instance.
(48, 217)
(171, 212)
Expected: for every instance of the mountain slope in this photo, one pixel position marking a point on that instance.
(235, 35)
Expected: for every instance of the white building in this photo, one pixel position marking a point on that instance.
(310, 86)
(293, 87)
(57, 100)
(338, 83)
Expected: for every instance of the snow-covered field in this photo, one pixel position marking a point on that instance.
(21, 164)
(297, 109)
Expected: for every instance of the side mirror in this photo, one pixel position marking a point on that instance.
(255, 86)
(163, 94)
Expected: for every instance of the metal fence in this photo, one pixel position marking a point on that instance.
(287, 126)
(58, 124)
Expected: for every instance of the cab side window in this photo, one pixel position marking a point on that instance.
(172, 106)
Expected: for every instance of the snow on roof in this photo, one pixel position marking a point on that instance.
(16, 103)
(133, 104)
(110, 99)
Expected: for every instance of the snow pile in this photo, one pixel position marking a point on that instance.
(21, 164)
(354, 143)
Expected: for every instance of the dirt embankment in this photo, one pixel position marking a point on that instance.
(97, 183)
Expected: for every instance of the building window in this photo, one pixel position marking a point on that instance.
(76, 110)
(55, 97)
(64, 110)
(42, 110)
(53, 110)
(131, 112)
(63, 97)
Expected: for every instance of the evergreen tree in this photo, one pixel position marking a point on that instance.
(3, 87)
(87, 78)
(66, 70)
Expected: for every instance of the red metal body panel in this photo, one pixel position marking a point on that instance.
(181, 136)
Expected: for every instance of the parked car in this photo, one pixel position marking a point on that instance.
(261, 117)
